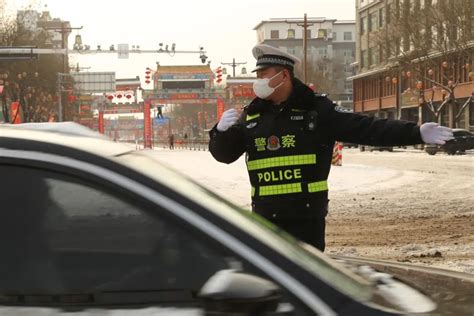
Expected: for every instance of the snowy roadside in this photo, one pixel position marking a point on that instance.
(403, 206)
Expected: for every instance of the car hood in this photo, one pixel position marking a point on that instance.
(450, 290)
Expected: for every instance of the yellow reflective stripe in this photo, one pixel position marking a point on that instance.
(279, 189)
(252, 192)
(317, 186)
(251, 117)
(281, 162)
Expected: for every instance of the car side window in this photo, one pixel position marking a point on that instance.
(60, 233)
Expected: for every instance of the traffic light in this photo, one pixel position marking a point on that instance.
(219, 75)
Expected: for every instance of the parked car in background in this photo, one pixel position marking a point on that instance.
(93, 227)
(372, 148)
(350, 145)
(463, 140)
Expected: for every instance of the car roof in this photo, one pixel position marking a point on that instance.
(68, 134)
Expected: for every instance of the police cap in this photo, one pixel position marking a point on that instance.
(268, 56)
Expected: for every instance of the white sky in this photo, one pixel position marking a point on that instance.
(224, 28)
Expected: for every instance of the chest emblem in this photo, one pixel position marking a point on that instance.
(273, 143)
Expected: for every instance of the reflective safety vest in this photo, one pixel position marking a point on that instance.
(285, 168)
(288, 160)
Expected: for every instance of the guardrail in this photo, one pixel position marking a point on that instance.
(181, 144)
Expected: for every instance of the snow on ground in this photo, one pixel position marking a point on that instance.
(405, 206)
(231, 180)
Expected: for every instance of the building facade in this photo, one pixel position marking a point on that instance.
(330, 51)
(391, 84)
(239, 92)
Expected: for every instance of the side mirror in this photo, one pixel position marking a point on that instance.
(229, 291)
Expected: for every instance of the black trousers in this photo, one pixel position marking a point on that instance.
(311, 230)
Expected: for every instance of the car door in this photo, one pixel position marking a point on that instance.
(82, 235)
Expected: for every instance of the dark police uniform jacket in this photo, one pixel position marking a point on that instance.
(289, 149)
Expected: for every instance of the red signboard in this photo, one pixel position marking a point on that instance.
(15, 113)
(184, 96)
(220, 108)
(101, 122)
(147, 124)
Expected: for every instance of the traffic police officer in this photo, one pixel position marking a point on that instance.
(288, 134)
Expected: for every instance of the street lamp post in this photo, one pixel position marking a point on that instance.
(234, 64)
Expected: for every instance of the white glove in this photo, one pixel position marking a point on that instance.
(228, 119)
(432, 133)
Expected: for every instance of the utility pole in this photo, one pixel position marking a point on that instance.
(234, 64)
(305, 47)
(305, 26)
(64, 33)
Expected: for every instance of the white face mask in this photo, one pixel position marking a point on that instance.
(262, 89)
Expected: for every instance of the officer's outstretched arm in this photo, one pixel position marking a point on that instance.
(229, 144)
(363, 129)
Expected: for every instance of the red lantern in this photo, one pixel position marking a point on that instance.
(110, 97)
(419, 85)
(119, 96)
(394, 80)
(147, 72)
(128, 96)
(71, 98)
(147, 77)
(219, 75)
(147, 81)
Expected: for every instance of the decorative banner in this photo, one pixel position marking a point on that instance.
(147, 124)
(410, 98)
(15, 113)
(220, 108)
(101, 122)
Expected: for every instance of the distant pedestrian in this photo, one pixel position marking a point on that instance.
(160, 112)
(171, 140)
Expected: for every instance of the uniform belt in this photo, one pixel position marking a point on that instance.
(280, 189)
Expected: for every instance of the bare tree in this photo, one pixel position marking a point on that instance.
(325, 74)
(27, 79)
(431, 43)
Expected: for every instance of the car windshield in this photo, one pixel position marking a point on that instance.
(315, 262)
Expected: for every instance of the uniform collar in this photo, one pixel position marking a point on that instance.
(302, 97)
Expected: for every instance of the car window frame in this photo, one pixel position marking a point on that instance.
(70, 166)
